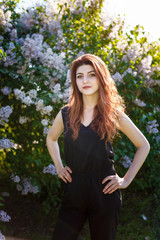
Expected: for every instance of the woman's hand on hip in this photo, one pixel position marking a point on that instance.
(65, 174)
(114, 183)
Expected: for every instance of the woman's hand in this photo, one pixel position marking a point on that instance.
(64, 174)
(115, 182)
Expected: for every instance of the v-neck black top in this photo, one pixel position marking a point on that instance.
(87, 154)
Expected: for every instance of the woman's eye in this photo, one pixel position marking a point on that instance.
(79, 76)
(92, 75)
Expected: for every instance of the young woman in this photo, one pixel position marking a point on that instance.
(90, 120)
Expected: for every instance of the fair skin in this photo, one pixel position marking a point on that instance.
(85, 76)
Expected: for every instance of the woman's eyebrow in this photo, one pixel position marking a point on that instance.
(88, 72)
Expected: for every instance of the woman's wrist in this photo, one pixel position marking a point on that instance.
(59, 167)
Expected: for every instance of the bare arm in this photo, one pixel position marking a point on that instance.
(53, 147)
(138, 139)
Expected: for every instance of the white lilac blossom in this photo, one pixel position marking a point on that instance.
(27, 100)
(152, 127)
(146, 65)
(13, 34)
(32, 47)
(45, 131)
(32, 93)
(4, 217)
(53, 60)
(20, 95)
(15, 178)
(114, 32)
(47, 110)
(129, 70)
(57, 88)
(50, 169)
(39, 105)
(134, 51)
(117, 78)
(27, 20)
(5, 113)
(26, 186)
(43, 109)
(2, 237)
(6, 90)
(127, 161)
(5, 20)
(121, 44)
(68, 79)
(67, 94)
(23, 120)
(139, 103)
(44, 122)
(11, 58)
(6, 143)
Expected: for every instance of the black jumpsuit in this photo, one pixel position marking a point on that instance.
(90, 162)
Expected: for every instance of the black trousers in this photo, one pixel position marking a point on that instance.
(84, 199)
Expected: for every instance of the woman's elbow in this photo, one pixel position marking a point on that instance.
(146, 145)
(48, 138)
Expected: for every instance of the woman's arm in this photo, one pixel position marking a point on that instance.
(138, 139)
(53, 148)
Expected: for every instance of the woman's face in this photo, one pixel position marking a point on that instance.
(86, 79)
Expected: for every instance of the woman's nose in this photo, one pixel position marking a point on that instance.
(85, 79)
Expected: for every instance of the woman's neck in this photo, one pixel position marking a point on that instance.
(89, 102)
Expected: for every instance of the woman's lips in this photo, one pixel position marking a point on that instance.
(86, 87)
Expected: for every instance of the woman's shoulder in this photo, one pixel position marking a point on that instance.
(65, 108)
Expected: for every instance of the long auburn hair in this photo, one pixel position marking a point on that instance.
(110, 104)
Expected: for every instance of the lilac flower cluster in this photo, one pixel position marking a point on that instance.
(43, 109)
(146, 65)
(44, 122)
(129, 71)
(6, 90)
(5, 113)
(4, 217)
(139, 103)
(2, 237)
(50, 169)
(118, 78)
(45, 131)
(152, 127)
(27, 20)
(21, 95)
(57, 92)
(11, 58)
(23, 120)
(6, 143)
(15, 178)
(24, 185)
(127, 161)
(134, 51)
(31, 99)
(5, 17)
(28, 187)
